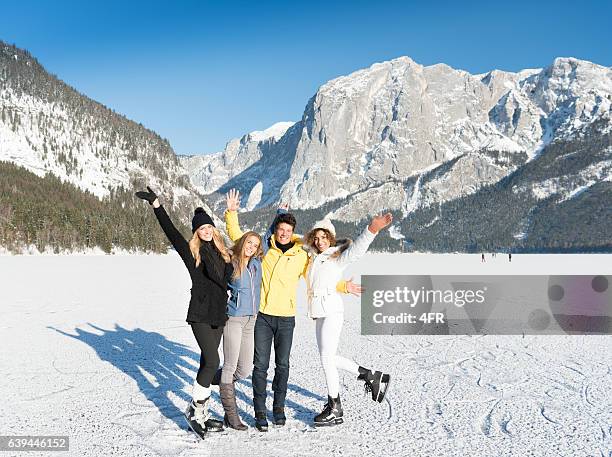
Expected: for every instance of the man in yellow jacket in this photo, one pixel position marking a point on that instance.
(283, 264)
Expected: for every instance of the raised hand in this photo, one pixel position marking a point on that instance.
(232, 198)
(354, 288)
(148, 196)
(284, 206)
(380, 222)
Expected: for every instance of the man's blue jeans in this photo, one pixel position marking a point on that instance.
(268, 330)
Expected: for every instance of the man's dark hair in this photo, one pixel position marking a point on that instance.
(287, 218)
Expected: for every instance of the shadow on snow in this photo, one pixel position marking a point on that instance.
(162, 367)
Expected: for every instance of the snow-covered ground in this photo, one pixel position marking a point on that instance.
(96, 348)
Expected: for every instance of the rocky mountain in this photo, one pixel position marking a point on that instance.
(407, 137)
(47, 126)
(212, 171)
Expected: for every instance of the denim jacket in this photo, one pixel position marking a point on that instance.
(245, 291)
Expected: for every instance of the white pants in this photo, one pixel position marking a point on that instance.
(328, 336)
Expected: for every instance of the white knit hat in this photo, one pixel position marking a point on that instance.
(327, 225)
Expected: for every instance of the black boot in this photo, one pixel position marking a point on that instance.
(261, 421)
(198, 418)
(279, 417)
(376, 383)
(331, 414)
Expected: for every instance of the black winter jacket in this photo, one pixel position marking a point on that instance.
(208, 302)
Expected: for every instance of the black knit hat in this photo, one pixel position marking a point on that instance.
(200, 217)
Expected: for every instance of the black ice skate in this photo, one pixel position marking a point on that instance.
(198, 418)
(376, 383)
(331, 414)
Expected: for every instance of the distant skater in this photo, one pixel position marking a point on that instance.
(482, 257)
(509, 257)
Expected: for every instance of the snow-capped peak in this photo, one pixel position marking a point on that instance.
(275, 132)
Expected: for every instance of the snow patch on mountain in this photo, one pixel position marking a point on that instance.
(569, 186)
(274, 132)
(395, 233)
(254, 197)
(26, 145)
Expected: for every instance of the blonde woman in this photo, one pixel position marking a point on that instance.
(327, 263)
(208, 262)
(242, 308)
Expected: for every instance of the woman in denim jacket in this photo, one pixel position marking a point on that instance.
(242, 308)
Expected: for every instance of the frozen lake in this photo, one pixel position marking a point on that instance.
(97, 348)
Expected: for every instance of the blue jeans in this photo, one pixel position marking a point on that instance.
(269, 329)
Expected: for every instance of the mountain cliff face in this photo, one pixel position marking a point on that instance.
(48, 127)
(212, 171)
(402, 136)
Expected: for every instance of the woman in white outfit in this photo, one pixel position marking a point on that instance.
(327, 263)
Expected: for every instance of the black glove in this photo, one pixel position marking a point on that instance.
(148, 196)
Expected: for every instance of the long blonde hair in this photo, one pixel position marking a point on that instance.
(238, 259)
(195, 243)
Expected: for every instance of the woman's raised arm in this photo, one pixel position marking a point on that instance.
(174, 236)
(359, 247)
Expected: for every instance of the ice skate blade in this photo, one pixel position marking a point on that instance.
(336, 421)
(191, 428)
(383, 393)
(215, 429)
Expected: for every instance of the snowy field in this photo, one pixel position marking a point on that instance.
(97, 348)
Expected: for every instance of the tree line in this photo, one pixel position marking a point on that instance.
(51, 214)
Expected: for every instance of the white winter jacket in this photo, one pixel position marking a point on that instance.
(325, 271)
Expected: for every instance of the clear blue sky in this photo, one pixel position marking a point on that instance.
(201, 73)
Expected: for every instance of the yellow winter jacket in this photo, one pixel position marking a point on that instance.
(281, 272)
